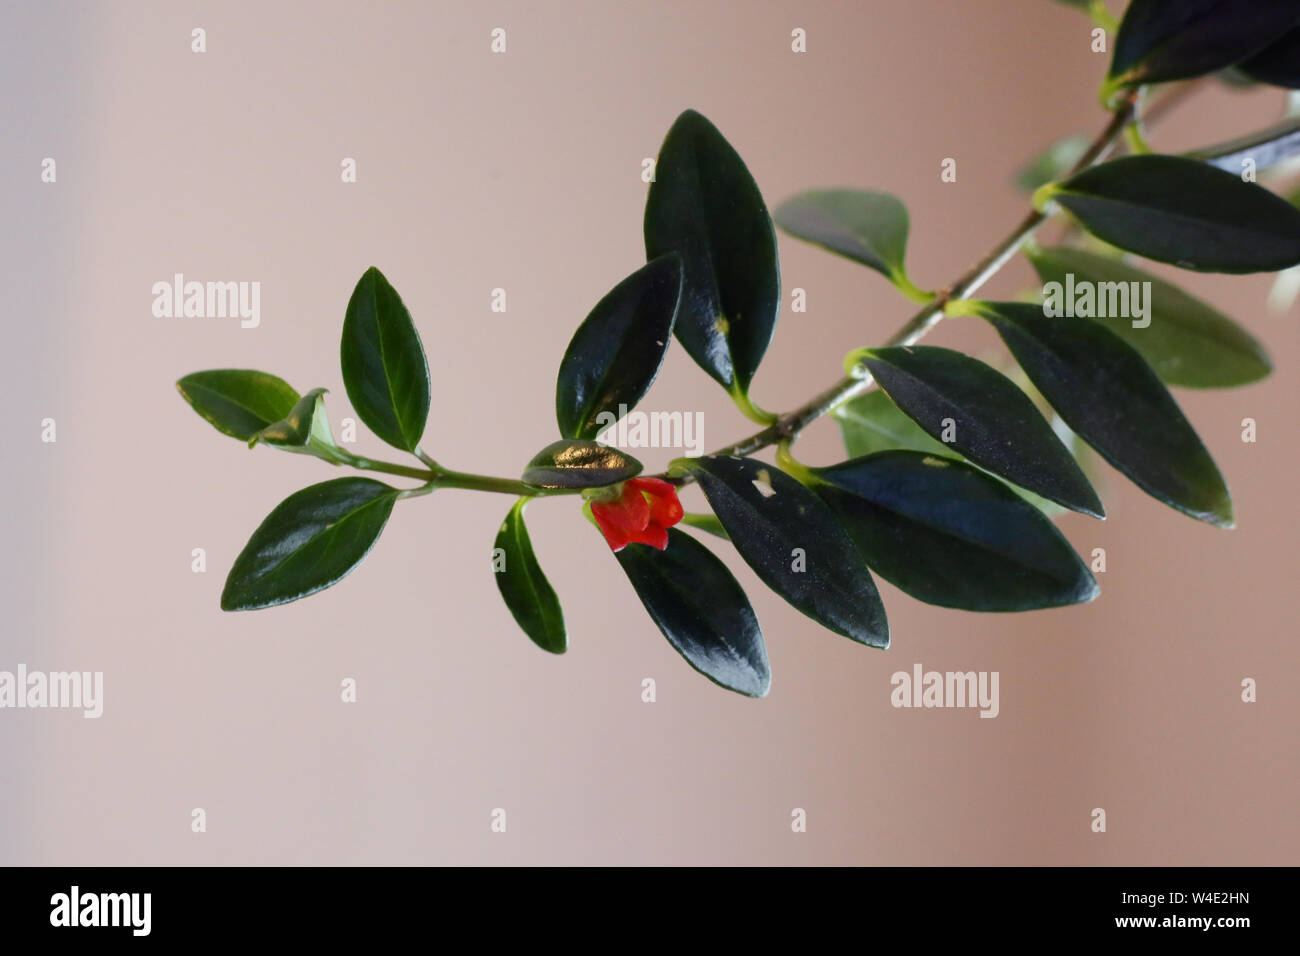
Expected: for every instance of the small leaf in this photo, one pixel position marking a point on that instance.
(615, 355)
(524, 587)
(238, 402)
(992, 422)
(1112, 399)
(1053, 163)
(384, 368)
(312, 539)
(707, 523)
(305, 429)
(867, 227)
(1183, 212)
(705, 206)
(872, 422)
(702, 610)
(1278, 64)
(1162, 40)
(579, 464)
(1184, 340)
(795, 544)
(948, 534)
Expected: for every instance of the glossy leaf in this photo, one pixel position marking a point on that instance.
(948, 534)
(705, 206)
(523, 584)
(1183, 212)
(312, 539)
(1278, 63)
(1185, 341)
(991, 421)
(384, 368)
(701, 609)
(579, 464)
(238, 402)
(1053, 163)
(795, 544)
(1162, 40)
(615, 355)
(1112, 399)
(867, 227)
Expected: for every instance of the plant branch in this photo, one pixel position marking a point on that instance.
(788, 426)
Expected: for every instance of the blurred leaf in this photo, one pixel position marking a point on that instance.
(615, 355)
(384, 369)
(993, 422)
(238, 402)
(1278, 64)
(705, 206)
(867, 227)
(1265, 148)
(948, 534)
(524, 587)
(1186, 341)
(1108, 394)
(1183, 212)
(1054, 162)
(312, 539)
(579, 464)
(1162, 40)
(703, 612)
(795, 545)
(706, 522)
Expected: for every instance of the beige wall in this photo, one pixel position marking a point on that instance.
(522, 171)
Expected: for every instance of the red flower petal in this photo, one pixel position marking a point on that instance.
(615, 535)
(655, 536)
(630, 512)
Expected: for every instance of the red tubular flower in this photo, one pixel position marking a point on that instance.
(642, 513)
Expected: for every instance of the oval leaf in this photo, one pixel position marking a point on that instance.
(1163, 40)
(705, 206)
(1278, 64)
(579, 464)
(1184, 340)
(1112, 399)
(238, 402)
(615, 355)
(702, 610)
(384, 368)
(312, 539)
(1183, 212)
(990, 420)
(948, 534)
(1053, 163)
(795, 544)
(523, 584)
(867, 227)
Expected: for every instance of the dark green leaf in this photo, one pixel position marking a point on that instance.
(524, 587)
(867, 227)
(1185, 341)
(305, 429)
(702, 611)
(948, 534)
(1163, 40)
(705, 206)
(1187, 213)
(795, 544)
(579, 464)
(1278, 64)
(615, 355)
(1053, 163)
(992, 422)
(238, 402)
(310, 541)
(1266, 148)
(1108, 394)
(384, 369)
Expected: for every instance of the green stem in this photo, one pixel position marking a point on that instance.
(387, 467)
(509, 486)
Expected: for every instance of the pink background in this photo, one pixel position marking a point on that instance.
(522, 171)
